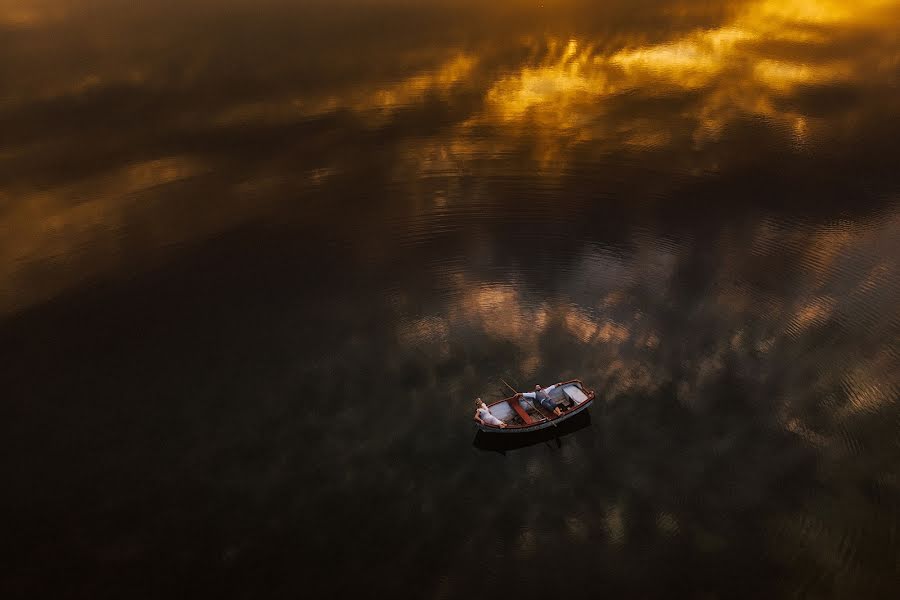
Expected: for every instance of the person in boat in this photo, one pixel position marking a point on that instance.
(542, 396)
(483, 415)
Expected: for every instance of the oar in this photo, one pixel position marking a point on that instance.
(532, 403)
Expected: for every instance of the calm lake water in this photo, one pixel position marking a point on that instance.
(257, 258)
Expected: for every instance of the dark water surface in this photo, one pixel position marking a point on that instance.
(257, 259)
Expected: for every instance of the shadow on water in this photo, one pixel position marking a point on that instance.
(503, 442)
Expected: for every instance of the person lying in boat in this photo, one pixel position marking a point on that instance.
(484, 416)
(542, 395)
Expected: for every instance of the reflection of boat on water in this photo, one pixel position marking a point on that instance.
(523, 416)
(505, 443)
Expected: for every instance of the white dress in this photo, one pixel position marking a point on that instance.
(486, 416)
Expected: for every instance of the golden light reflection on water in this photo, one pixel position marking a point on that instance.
(733, 67)
(375, 105)
(54, 223)
(560, 95)
(555, 86)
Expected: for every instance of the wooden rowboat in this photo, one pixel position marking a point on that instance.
(521, 415)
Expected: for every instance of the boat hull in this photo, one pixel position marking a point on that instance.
(488, 442)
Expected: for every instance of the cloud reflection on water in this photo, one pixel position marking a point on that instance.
(565, 101)
(720, 398)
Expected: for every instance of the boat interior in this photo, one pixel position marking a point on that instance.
(523, 412)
